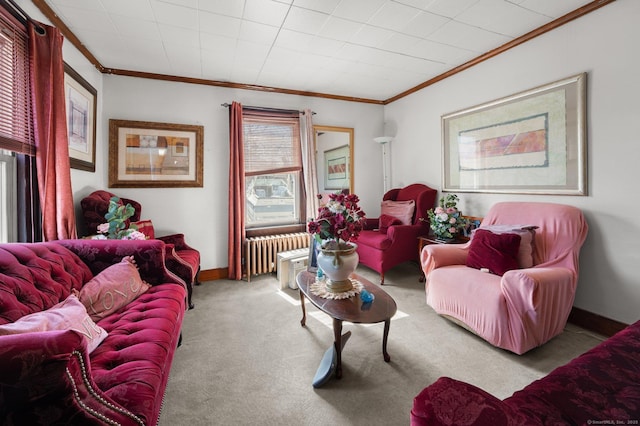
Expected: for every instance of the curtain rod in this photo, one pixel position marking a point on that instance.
(22, 15)
(227, 105)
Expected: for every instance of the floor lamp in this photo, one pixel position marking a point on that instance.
(386, 165)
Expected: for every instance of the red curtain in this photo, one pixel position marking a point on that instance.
(50, 129)
(236, 191)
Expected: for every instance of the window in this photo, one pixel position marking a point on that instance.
(19, 207)
(273, 169)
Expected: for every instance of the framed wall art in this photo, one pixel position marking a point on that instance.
(81, 106)
(532, 142)
(336, 168)
(154, 155)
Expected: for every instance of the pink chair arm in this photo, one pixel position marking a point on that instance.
(542, 299)
(405, 233)
(435, 256)
(47, 375)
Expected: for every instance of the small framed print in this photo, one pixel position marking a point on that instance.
(81, 105)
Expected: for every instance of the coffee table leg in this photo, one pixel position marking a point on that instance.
(303, 321)
(385, 354)
(337, 333)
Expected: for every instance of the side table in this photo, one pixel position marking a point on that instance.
(431, 239)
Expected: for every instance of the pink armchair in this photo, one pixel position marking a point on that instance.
(181, 259)
(525, 307)
(381, 249)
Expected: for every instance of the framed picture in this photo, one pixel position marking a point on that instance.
(81, 104)
(532, 142)
(336, 168)
(154, 155)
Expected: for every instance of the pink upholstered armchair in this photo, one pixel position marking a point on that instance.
(530, 303)
(392, 238)
(181, 259)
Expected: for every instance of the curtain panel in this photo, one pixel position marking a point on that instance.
(236, 191)
(50, 130)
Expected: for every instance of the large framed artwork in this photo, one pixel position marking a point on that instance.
(154, 155)
(532, 142)
(81, 105)
(336, 170)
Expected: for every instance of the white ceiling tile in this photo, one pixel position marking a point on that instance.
(193, 4)
(393, 16)
(441, 53)
(400, 43)
(502, 17)
(82, 4)
(179, 36)
(234, 8)
(258, 33)
(324, 6)
(419, 4)
(371, 36)
(137, 28)
(450, 8)
(324, 46)
(84, 19)
(468, 37)
(140, 9)
(219, 24)
(305, 21)
(424, 24)
(340, 29)
(265, 12)
(552, 8)
(358, 10)
(294, 41)
(173, 15)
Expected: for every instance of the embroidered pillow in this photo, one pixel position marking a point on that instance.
(112, 289)
(527, 240)
(69, 314)
(402, 210)
(385, 221)
(498, 253)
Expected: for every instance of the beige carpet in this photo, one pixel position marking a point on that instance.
(245, 359)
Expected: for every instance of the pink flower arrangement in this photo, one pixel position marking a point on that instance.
(339, 221)
(446, 220)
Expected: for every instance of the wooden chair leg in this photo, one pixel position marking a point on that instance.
(381, 278)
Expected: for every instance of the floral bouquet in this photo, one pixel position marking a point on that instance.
(338, 222)
(115, 227)
(446, 220)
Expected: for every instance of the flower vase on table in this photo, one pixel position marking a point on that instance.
(446, 221)
(337, 225)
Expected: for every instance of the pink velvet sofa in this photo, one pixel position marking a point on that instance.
(528, 304)
(51, 377)
(602, 386)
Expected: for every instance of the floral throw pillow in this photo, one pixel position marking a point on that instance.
(112, 289)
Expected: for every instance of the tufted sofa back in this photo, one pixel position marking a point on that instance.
(34, 277)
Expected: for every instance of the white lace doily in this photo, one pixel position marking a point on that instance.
(319, 288)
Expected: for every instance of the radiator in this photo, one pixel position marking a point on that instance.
(261, 253)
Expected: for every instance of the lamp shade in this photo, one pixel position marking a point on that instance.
(383, 139)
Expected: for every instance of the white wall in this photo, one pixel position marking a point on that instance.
(604, 44)
(201, 213)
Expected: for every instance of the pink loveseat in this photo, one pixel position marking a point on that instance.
(525, 307)
(51, 377)
(602, 386)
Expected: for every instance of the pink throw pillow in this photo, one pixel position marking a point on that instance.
(385, 221)
(402, 210)
(527, 240)
(112, 289)
(69, 314)
(496, 252)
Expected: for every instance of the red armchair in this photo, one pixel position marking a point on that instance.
(385, 243)
(181, 259)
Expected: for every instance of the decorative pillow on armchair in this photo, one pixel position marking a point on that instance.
(112, 289)
(69, 314)
(146, 227)
(385, 221)
(527, 240)
(497, 253)
(402, 210)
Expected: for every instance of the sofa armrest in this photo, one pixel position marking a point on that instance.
(150, 256)
(177, 240)
(45, 378)
(451, 402)
(435, 256)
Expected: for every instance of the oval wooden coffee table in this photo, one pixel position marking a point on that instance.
(352, 310)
